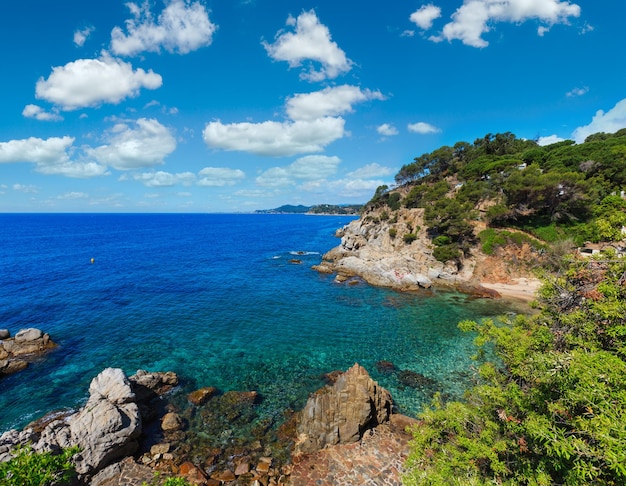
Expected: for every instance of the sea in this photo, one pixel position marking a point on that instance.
(223, 300)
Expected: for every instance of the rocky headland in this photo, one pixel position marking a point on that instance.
(396, 252)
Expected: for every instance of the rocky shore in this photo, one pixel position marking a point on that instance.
(131, 432)
(397, 253)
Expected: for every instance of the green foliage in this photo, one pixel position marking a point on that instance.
(28, 468)
(409, 238)
(491, 239)
(394, 201)
(551, 405)
(393, 232)
(446, 253)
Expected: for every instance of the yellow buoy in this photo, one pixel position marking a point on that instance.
(93, 260)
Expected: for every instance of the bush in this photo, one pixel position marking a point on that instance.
(393, 232)
(29, 468)
(549, 408)
(409, 238)
(447, 252)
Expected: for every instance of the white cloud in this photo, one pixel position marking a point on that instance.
(275, 138)
(220, 176)
(146, 145)
(27, 188)
(371, 170)
(91, 82)
(165, 179)
(181, 27)
(310, 167)
(424, 16)
(81, 36)
(422, 128)
(407, 33)
(36, 150)
(73, 195)
(549, 140)
(387, 130)
(474, 17)
(38, 113)
(577, 92)
(311, 41)
(609, 122)
(328, 102)
(79, 170)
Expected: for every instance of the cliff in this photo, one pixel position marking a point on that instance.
(394, 252)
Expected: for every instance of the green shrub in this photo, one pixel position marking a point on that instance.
(384, 216)
(393, 232)
(394, 201)
(549, 407)
(447, 252)
(442, 240)
(409, 238)
(29, 468)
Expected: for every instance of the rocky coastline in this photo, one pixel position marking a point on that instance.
(18, 351)
(135, 430)
(397, 253)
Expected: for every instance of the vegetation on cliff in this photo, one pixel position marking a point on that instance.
(554, 193)
(551, 408)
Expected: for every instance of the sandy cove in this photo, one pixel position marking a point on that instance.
(524, 289)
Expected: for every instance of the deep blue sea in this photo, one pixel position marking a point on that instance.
(215, 298)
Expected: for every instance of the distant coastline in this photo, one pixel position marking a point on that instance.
(318, 209)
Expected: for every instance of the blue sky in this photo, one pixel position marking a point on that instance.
(238, 105)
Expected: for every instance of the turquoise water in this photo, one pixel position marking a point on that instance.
(216, 299)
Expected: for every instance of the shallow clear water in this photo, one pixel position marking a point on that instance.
(216, 299)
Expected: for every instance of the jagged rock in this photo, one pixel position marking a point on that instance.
(147, 385)
(342, 412)
(108, 426)
(4, 334)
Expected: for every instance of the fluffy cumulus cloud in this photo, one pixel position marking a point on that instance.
(145, 144)
(422, 128)
(91, 82)
(474, 17)
(328, 102)
(311, 41)
(181, 27)
(387, 130)
(275, 138)
(308, 168)
(424, 16)
(220, 176)
(577, 92)
(51, 156)
(38, 113)
(36, 150)
(165, 179)
(609, 122)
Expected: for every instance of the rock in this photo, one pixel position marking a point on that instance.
(4, 334)
(162, 448)
(27, 335)
(413, 379)
(385, 367)
(148, 385)
(108, 427)
(202, 395)
(16, 352)
(242, 468)
(342, 412)
(171, 422)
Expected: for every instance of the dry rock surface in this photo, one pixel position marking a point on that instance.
(16, 352)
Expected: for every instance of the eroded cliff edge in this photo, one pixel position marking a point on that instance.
(395, 252)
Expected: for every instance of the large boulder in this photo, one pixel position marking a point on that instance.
(108, 426)
(341, 413)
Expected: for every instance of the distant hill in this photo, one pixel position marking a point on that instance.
(317, 209)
